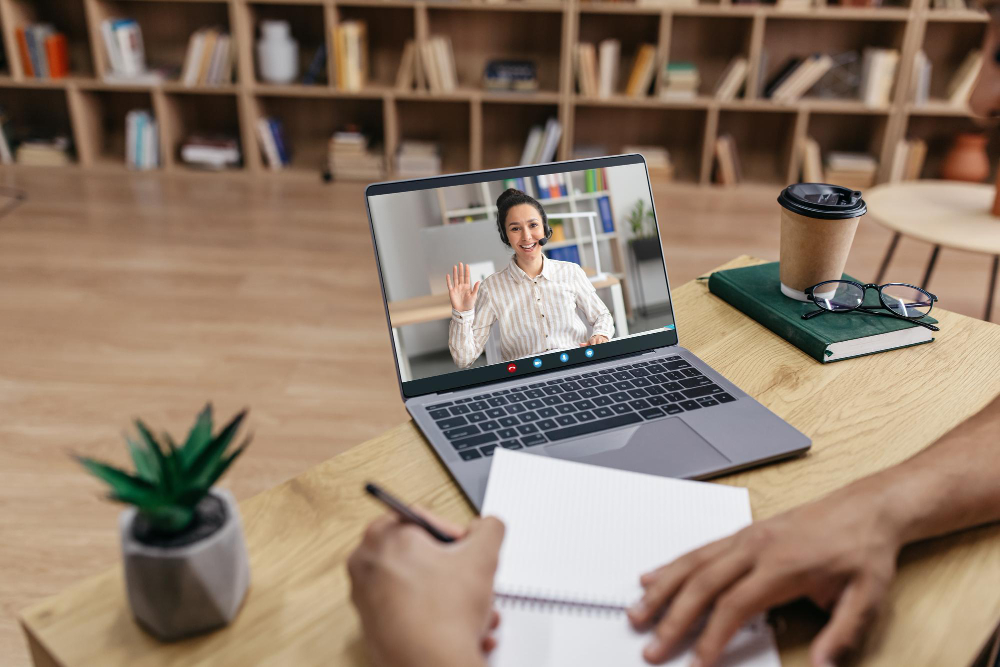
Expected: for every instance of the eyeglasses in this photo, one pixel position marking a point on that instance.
(907, 302)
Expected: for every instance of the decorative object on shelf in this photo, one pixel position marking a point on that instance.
(126, 53)
(350, 43)
(967, 160)
(961, 83)
(878, 71)
(541, 144)
(273, 146)
(610, 54)
(908, 160)
(843, 81)
(641, 77)
(586, 70)
(416, 159)
(851, 170)
(142, 140)
(517, 75)
(185, 559)
(211, 152)
(727, 166)
(209, 58)
(351, 159)
(51, 152)
(316, 72)
(439, 65)
(277, 52)
(920, 78)
(732, 79)
(43, 51)
(680, 81)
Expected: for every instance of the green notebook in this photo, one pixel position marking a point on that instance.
(756, 291)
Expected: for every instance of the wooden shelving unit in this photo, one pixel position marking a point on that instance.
(482, 129)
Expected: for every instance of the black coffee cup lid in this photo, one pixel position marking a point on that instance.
(822, 200)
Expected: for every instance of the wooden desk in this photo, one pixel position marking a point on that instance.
(941, 609)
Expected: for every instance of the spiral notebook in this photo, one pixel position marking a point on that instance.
(578, 537)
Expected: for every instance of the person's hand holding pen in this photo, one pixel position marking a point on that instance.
(594, 340)
(423, 601)
(460, 288)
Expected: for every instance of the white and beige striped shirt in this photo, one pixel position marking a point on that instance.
(535, 315)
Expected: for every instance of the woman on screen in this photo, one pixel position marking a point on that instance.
(534, 299)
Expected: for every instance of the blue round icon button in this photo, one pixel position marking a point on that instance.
(589, 352)
(537, 363)
(564, 357)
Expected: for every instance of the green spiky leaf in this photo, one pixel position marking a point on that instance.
(166, 474)
(199, 437)
(212, 453)
(145, 462)
(117, 479)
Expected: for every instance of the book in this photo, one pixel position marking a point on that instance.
(604, 208)
(124, 49)
(756, 292)
(268, 146)
(25, 52)
(316, 72)
(681, 80)
(565, 575)
(350, 39)
(878, 71)
(586, 63)
(812, 161)
(641, 76)
(406, 76)
(803, 78)
(732, 79)
(728, 171)
(781, 75)
(141, 140)
(908, 160)
(961, 83)
(531, 145)
(920, 85)
(610, 52)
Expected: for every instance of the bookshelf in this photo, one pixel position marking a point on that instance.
(477, 128)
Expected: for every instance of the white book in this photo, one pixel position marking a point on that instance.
(609, 54)
(129, 37)
(577, 538)
(41, 32)
(920, 86)
(111, 47)
(218, 59)
(192, 59)
(960, 86)
(131, 138)
(531, 145)
(553, 130)
(149, 144)
(804, 78)
(732, 78)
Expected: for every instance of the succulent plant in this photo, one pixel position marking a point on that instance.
(170, 481)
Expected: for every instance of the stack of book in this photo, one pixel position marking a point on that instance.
(439, 65)
(795, 81)
(350, 44)
(728, 170)
(541, 144)
(680, 81)
(125, 52)
(416, 159)
(586, 69)
(732, 79)
(920, 82)
(210, 152)
(209, 58)
(643, 70)
(908, 160)
(961, 83)
(852, 170)
(878, 70)
(52, 152)
(657, 160)
(142, 140)
(43, 51)
(609, 52)
(350, 158)
(274, 148)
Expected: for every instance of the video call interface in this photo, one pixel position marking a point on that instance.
(574, 265)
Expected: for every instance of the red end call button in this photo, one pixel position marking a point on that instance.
(511, 368)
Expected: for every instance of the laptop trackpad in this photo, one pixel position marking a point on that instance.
(669, 448)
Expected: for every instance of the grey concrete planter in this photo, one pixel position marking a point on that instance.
(176, 592)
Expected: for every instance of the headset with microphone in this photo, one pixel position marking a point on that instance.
(502, 228)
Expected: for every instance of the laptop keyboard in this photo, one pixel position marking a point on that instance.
(542, 412)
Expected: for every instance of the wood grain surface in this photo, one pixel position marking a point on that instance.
(859, 412)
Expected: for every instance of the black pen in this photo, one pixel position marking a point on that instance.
(405, 512)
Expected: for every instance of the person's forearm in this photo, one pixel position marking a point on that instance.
(951, 485)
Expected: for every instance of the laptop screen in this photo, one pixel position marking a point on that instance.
(515, 272)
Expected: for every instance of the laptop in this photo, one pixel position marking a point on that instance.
(639, 401)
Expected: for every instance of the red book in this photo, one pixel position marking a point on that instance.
(553, 185)
(57, 53)
(22, 44)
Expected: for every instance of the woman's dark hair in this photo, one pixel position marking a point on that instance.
(510, 198)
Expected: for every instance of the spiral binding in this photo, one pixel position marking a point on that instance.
(548, 604)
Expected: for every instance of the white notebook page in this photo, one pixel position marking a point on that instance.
(583, 533)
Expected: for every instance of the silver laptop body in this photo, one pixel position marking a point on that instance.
(669, 413)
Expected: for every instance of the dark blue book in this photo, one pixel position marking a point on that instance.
(316, 67)
(278, 132)
(604, 207)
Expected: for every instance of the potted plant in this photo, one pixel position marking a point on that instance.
(644, 242)
(185, 561)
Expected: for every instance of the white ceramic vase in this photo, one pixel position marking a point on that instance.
(277, 53)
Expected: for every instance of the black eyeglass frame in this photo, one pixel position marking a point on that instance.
(871, 310)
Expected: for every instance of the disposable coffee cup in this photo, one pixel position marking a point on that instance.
(818, 222)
